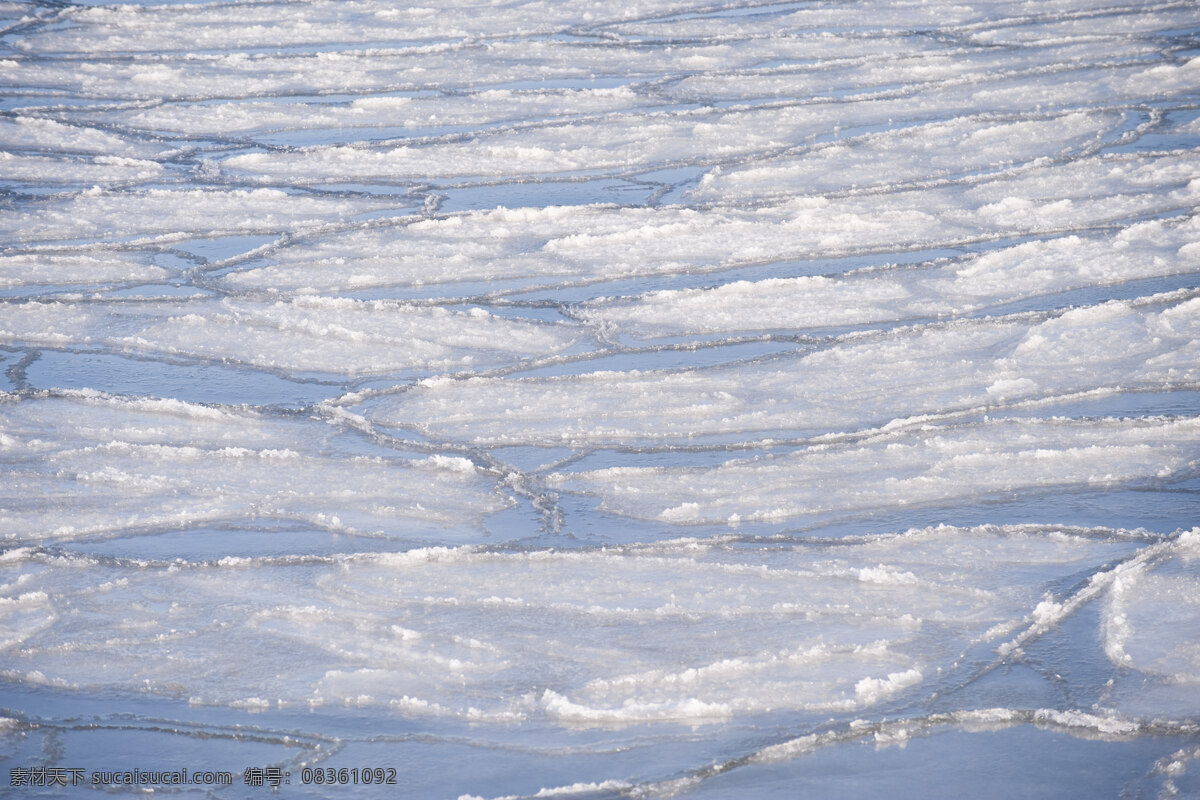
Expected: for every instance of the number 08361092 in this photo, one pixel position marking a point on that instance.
(360, 775)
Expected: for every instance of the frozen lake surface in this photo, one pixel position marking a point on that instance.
(599, 401)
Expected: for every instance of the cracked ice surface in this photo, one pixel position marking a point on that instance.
(569, 399)
(443, 631)
(924, 466)
(113, 467)
(318, 334)
(1033, 269)
(915, 372)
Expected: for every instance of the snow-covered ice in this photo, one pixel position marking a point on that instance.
(760, 399)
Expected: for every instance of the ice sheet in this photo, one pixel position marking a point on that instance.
(38, 269)
(593, 243)
(108, 215)
(928, 465)
(362, 367)
(306, 335)
(47, 135)
(936, 290)
(685, 630)
(83, 465)
(1150, 631)
(660, 139)
(860, 381)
